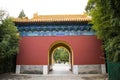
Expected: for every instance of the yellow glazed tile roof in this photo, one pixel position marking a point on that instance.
(54, 18)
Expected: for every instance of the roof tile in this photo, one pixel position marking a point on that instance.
(54, 18)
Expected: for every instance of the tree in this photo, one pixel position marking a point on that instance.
(61, 54)
(8, 41)
(3, 15)
(106, 22)
(22, 14)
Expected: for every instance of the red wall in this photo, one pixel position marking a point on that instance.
(34, 50)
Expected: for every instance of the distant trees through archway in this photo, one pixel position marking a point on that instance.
(61, 55)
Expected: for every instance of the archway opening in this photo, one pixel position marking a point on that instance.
(60, 58)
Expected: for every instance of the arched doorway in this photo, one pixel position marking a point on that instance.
(52, 52)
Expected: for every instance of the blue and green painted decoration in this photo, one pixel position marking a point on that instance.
(55, 30)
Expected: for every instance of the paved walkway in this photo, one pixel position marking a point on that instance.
(52, 77)
(60, 69)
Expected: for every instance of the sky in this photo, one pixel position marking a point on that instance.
(43, 7)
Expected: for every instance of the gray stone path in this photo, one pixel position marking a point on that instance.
(52, 77)
(61, 69)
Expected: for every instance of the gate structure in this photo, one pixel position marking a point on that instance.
(43, 33)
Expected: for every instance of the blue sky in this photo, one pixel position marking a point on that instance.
(43, 7)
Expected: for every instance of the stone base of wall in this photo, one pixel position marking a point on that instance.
(31, 69)
(77, 69)
(89, 69)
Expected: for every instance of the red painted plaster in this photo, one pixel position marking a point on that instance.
(34, 50)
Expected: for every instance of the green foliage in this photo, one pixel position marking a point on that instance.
(106, 22)
(8, 38)
(22, 14)
(112, 47)
(61, 54)
(8, 42)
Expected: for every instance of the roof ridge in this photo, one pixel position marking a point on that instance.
(53, 18)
